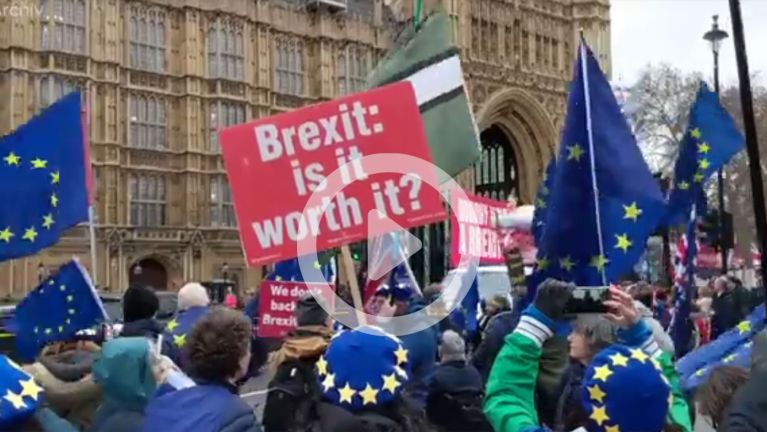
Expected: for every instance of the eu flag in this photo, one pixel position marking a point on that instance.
(465, 316)
(711, 140)
(541, 198)
(21, 395)
(177, 330)
(732, 348)
(56, 310)
(604, 201)
(42, 180)
(290, 271)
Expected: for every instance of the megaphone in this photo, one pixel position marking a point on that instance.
(521, 218)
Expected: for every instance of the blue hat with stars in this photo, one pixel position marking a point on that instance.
(624, 390)
(20, 396)
(362, 368)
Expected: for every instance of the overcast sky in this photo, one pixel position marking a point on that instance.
(671, 31)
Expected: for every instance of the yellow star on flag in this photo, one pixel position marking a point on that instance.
(623, 242)
(30, 388)
(369, 395)
(639, 355)
(566, 263)
(700, 372)
(48, 221)
(540, 203)
(596, 394)
(599, 415)
(544, 190)
(172, 324)
(317, 265)
(543, 263)
(38, 163)
(729, 358)
(575, 151)
(602, 373)
(703, 147)
(329, 382)
(6, 234)
(632, 212)
(54, 200)
(698, 177)
(744, 327)
(15, 399)
(619, 359)
(179, 340)
(704, 164)
(277, 278)
(683, 185)
(615, 428)
(48, 331)
(55, 177)
(401, 354)
(70, 298)
(322, 366)
(61, 329)
(390, 383)
(696, 133)
(12, 159)
(30, 234)
(346, 393)
(599, 262)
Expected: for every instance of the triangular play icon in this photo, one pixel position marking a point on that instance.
(387, 251)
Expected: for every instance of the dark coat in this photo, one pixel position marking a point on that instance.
(496, 330)
(569, 410)
(747, 411)
(729, 308)
(148, 328)
(422, 356)
(455, 398)
(206, 407)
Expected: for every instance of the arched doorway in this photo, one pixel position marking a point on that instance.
(149, 272)
(516, 123)
(495, 173)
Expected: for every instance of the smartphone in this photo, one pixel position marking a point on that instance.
(587, 299)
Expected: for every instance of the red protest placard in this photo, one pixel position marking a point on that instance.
(319, 154)
(277, 305)
(474, 232)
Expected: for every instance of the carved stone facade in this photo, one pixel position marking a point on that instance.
(160, 77)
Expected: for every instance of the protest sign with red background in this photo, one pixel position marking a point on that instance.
(277, 304)
(474, 231)
(276, 164)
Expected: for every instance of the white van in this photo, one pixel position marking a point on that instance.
(493, 280)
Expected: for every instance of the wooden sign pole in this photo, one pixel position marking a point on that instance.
(351, 276)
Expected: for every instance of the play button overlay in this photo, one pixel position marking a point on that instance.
(387, 251)
(382, 258)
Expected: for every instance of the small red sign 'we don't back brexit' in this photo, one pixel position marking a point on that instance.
(316, 173)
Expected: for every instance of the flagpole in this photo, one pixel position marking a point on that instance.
(589, 131)
(92, 235)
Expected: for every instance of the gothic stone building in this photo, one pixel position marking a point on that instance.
(160, 77)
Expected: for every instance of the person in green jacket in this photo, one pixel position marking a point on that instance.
(631, 387)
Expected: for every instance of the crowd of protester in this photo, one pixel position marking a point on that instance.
(523, 370)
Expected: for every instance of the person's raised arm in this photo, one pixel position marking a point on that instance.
(510, 395)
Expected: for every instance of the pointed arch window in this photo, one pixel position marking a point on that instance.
(148, 200)
(226, 56)
(495, 174)
(147, 42)
(63, 25)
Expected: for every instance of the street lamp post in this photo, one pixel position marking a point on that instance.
(752, 144)
(715, 36)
